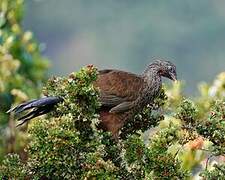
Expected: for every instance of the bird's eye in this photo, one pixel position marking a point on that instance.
(170, 68)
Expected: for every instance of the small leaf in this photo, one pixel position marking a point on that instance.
(2, 19)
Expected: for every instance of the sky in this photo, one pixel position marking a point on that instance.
(127, 35)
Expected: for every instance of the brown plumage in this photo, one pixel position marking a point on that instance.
(118, 91)
(122, 94)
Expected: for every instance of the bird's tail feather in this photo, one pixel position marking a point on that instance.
(35, 108)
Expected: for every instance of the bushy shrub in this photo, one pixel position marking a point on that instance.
(69, 145)
(12, 167)
(22, 71)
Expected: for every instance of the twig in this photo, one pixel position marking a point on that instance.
(216, 166)
(207, 161)
(205, 150)
(178, 151)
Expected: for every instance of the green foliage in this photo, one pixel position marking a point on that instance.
(77, 91)
(160, 162)
(154, 161)
(12, 168)
(187, 112)
(213, 128)
(209, 94)
(22, 69)
(68, 145)
(203, 122)
(217, 173)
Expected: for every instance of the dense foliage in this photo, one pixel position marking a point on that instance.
(68, 144)
(22, 70)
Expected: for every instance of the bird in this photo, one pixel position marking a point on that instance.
(122, 94)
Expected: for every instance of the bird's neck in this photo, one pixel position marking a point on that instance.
(152, 77)
(151, 90)
(153, 85)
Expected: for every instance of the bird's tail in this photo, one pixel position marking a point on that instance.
(34, 108)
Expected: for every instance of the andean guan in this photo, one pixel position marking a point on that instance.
(122, 94)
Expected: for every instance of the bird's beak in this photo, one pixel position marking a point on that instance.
(173, 77)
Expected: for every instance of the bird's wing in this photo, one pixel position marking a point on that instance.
(118, 89)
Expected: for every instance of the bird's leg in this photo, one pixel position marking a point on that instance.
(116, 136)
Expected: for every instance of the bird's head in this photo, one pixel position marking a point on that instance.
(163, 68)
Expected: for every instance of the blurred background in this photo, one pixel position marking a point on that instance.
(127, 34)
